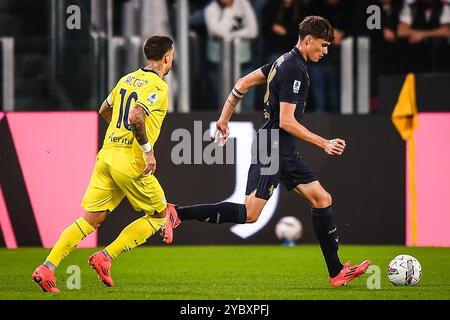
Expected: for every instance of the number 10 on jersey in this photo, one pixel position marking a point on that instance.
(123, 113)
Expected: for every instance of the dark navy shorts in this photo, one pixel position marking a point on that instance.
(292, 171)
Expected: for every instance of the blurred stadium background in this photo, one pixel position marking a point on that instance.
(389, 187)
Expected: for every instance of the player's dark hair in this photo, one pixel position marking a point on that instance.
(156, 47)
(317, 27)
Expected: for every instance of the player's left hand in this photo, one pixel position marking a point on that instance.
(150, 162)
(335, 147)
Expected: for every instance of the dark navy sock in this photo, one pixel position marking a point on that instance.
(325, 231)
(214, 213)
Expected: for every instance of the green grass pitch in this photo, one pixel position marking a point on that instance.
(225, 273)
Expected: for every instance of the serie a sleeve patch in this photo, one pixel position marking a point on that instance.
(296, 86)
(152, 98)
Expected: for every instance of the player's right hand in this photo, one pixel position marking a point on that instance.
(222, 133)
(150, 162)
(335, 147)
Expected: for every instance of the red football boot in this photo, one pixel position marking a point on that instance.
(102, 265)
(172, 221)
(349, 273)
(45, 279)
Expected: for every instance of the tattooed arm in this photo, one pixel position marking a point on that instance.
(137, 123)
(106, 111)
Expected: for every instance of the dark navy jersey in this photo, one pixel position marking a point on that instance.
(287, 81)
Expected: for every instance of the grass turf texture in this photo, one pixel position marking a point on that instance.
(225, 273)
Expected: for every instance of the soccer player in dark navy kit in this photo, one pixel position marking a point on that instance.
(284, 104)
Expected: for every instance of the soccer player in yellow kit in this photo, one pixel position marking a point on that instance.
(125, 166)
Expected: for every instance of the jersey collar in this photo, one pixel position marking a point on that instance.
(297, 51)
(152, 71)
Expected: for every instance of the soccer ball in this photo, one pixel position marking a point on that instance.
(404, 270)
(289, 229)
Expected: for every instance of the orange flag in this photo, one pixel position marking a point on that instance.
(404, 115)
(405, 120)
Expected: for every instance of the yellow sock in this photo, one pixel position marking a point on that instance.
(135, 234)
(68, 240)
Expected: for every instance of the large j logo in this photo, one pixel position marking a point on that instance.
(243, 132)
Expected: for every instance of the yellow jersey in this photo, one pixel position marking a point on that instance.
(120, 150)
